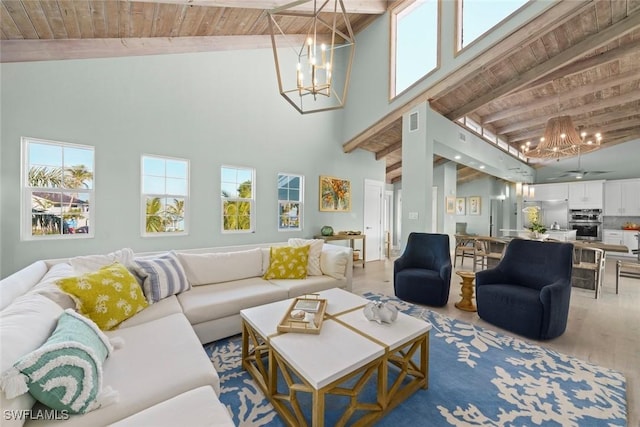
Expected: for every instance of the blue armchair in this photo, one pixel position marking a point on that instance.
(423, 273)
(528, 292)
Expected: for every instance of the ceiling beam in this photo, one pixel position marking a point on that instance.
(588, 44)
(390, 149)
(571, 93)
(612, 101)
(50, 50)
(396, 179)
(393, 167)
(374, 7)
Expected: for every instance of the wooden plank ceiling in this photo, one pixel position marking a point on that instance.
(580, 58)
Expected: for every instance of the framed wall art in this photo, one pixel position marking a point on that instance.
(450, 204)
(335, 194)
(460, 206)
(474, 205)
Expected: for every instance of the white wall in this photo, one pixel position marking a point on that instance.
(211, 108)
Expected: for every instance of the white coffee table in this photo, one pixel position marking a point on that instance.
(348, 347)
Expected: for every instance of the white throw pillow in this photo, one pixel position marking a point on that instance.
(204, 269)
(24, 326)
(91, 263)
(161, 276)
(334, 263)
(48, 287)
(315, 248)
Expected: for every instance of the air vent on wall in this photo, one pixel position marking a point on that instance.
(413, 122)
(462, 136)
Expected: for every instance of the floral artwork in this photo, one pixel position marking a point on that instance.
(450, 203)
(460, 206)
(335, 194)
(474, 205)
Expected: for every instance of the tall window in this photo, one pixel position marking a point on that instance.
(479, 16)
(58, 189)
(165, 195)
(290, 199)
(238, 199)
(415, 43)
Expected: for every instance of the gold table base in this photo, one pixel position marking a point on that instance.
(466, 303)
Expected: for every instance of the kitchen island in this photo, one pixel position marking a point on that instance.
(563, 235)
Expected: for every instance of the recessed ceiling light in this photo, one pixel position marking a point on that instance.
(457, 157)
(481, 166)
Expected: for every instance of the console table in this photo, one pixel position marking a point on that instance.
(351, 238)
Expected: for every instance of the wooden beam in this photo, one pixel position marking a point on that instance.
(390, 149)
(396, 179)
(50, 50)
(374, 7)
(589, 44)
(393, 167)
(612, 101)
(563, 97)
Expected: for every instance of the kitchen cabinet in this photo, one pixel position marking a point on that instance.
(621, 237)
(586, 195)
(622, 197)
(549, 192)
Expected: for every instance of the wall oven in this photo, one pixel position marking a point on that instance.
(587, 223)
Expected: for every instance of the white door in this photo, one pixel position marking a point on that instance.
(373, 202)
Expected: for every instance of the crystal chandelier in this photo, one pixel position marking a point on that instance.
(561, 140)
(313, 73)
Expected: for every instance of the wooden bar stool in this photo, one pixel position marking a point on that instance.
(626, 269)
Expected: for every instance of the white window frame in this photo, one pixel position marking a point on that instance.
(26, 233)
(251, 201)
(165, 195)
(300, 201)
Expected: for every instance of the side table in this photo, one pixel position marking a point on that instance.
(466, 303)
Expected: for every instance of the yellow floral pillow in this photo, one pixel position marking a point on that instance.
(288, 262)
(107, 296)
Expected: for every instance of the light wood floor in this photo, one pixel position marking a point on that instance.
(605, 331)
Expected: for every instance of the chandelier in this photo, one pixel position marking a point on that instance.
(561, 139)
(313, 68)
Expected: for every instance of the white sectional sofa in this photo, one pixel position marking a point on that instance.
(162, 373)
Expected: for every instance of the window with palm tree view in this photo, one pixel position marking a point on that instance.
(165, 194)
(237, 198)
(58, 189)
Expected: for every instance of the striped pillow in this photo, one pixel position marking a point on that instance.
(65, 373)
(161, 277)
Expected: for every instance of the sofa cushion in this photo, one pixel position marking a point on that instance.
(315, 248)
(159, 360)
(21, 282)
(88, 263)
(65, 373)
(205, 269)
(195, 408)
(107, 296)
(48, 287)
(158, 310)
(287, 262)
(24, 326)
(311, 284)
(334, 262)
(161, 276)
(204, 303)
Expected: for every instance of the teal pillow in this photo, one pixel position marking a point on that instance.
(65, 373)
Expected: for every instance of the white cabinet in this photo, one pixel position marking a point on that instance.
(622, 197)
(586, 195)
(621, 237)
(548, 192)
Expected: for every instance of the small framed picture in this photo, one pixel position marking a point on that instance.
(450, 204)
(474, 205)
(460, 206)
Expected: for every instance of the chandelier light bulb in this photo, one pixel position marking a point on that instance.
(563, 135)
(583, 134)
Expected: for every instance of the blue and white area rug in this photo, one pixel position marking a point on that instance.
(477, 377)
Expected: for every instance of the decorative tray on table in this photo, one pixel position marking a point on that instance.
(304, 315)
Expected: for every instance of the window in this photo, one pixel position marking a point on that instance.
(165, 195)
(58, 190)
(479, 16)
(290, 199)
(238, 199)
(415, 43)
